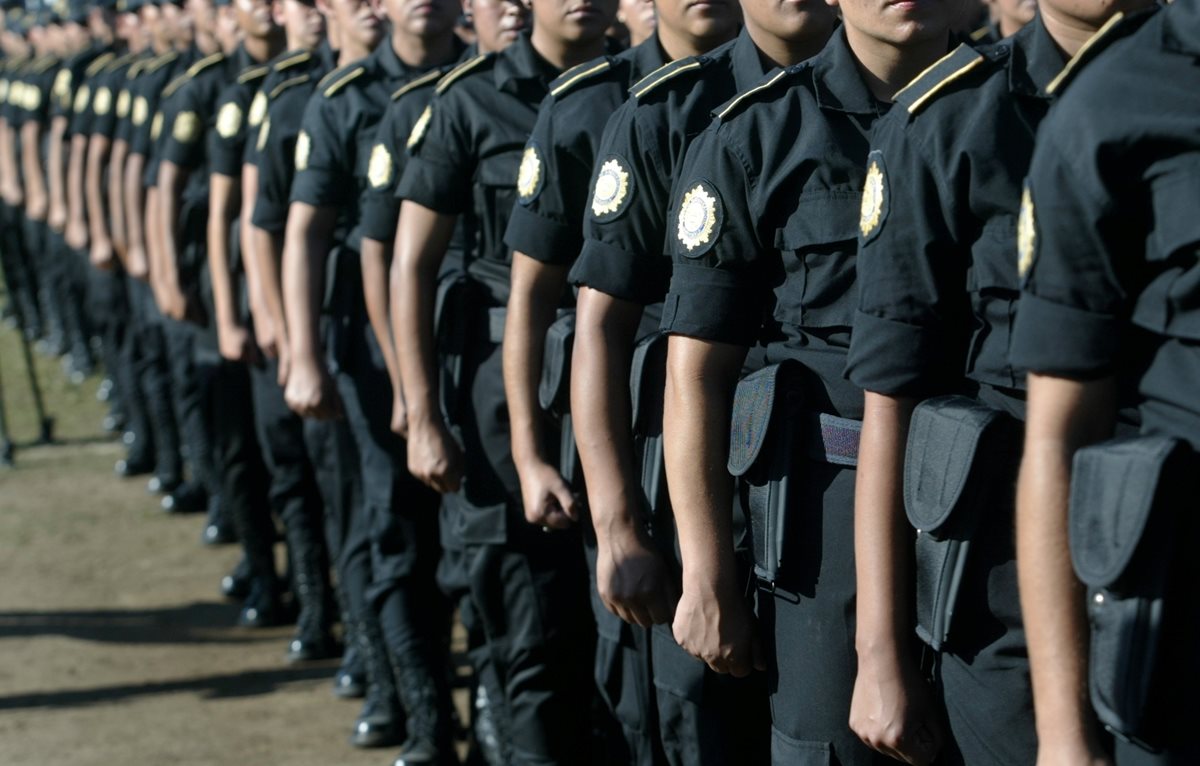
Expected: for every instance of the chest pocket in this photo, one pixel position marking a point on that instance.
(496, 192)
(1171, 302)
(818, 244)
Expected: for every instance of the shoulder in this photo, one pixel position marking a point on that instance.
(205, 64)
(766, 92)
(288, 61)
(336, 81)
(427, 80)
(1119, 27)
(253, 74)
(288, 84)
(947, 70)
(577, 78)
(464, 72)
(99, 63)
(680, 71)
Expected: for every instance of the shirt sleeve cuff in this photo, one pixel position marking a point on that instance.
(379, 215)
(621, 274)
(317, 189)
(712, 304)
(427, 185)
(541, 238)
(1061, 340)
(896, 358)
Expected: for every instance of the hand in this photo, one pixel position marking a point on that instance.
(56, 218)
(632, 578)
(433, 455)
(718, 629)
(400, 416)
(172, 302)
(549, 502)
(14, 195)
(264, 333)
(36, 205)
(137, 265)
(892, 711)
(235, 343)
(285, 363)
(311, 392)
(101, 255)
(76, 235)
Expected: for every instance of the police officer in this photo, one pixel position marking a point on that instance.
(1107, 247)
(333, 162)
(938, 286)
(526, 586)
(763, 236)
(18, 278)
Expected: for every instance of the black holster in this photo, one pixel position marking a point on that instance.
(962, 457)
(554, 390)
(1124, 524)
(457, 295)
(647, 382)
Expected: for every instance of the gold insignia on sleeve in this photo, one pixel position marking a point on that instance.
(156, 126)
(62, 87)
(264, 130)
(872, 200)
(33, 98)
(186, 127)
(697, 218)
(229, 120)
(379, 170)
(1026, 234)
(529, 175)
(418, 130)
(141, 111)
(123, 104)
(102, 102)
(258, 109)
(303, 148)
(612, 187)
(82, 96)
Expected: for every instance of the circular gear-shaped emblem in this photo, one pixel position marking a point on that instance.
(82, 97)
(873, 199)
(529, 175)
(613, 184)
(186, 128)
(141, 111)
(303, 148)
(699, 217)
(379, 169)
(419, 128)
(102, 102)
(229, 120)
(123, 104)
(258, 109)
(1026, 234)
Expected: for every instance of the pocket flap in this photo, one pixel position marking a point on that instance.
(647, 379)
(554, 389)
(821, 219)
(1113, 491)
(943, 440)
(754, 405)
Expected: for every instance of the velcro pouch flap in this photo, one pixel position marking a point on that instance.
(554, 389)
(943, 439)
(1114, 486)
(647, 379)
(754, 404)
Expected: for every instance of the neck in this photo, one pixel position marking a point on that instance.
(417, 51)
(775, 51)
(351, 52)
(1067, 33)
(263, 48)
(678, 45)
(887, 68)
(562, 54)
(206, 43)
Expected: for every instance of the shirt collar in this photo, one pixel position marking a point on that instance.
(521, 72)
(1181, 27)
(1036, 60)
(388, 65)
(646, 57)
(747, 64)
(838, 84)
(241, 59)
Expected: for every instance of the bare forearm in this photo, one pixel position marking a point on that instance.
(250, 243)
(76, 169)
(135, 201)
(304, 253)
(116, 199)
(269, 254)
(55, 171)
(882, 537)
(171, 180)
(223, 201)
(98, 150)
(375, 294)
(31, 162)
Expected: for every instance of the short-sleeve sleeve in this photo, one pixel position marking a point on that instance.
(719, 290)
(443, 158)
(227, 141)
(380, 208)
(324, 169)
(183, 129)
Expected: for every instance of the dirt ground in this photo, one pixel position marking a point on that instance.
(115, 644)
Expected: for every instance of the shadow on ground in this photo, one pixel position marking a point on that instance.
(196, 623)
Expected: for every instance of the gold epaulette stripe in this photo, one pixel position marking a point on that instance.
(353, 74)
(155, 64)
(252, 73)
(205, 63)
(573, 76)
(281, 87)
(412, 85)
(760, 87)
(1081, 54)
(920, 102)
(980, 33)
(292, 61)
(459, 71)
(639, 92)
(175, 85)
(99, 63)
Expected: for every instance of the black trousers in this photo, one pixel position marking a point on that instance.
(146, 357)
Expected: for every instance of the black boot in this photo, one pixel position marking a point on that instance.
(425, 691)
(311, 589)
(380, 722)
(350, 681)
(262, 607)
(218, 529)
(236, 584)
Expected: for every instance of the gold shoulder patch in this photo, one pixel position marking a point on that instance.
(141, 111)
(937, 76)
(264, 130)
(62, 88)
(83, 97)
(874, 198)
(662, 74)
(250, 74)
(156, 126)
(176, 84)
(380, 168)
(229, 120)
(419, 128)
(744, 98)
(1084, 53)
(258, 110)
(186, 128)
(1026, 234)
(292, 61)
(123, 102)
(33, 98)
(530, 175)
(345, 79)
(205, 63)
(699, 217)
(99, 63)
(103, 101)
(303, 149)
(578, 74)
(455, 74)
(411, 85)
(281, 87)
(612, 188)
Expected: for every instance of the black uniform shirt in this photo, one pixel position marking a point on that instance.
(625, 224)
(113, 76)
(467, 147)
(764, 220)
(275, 147)
(227, 139)
(14, 72)
(155, 79)
(1110, 237)
(338, 131)
(284, 68)
(39, 85)
(77, 71)
(937, 262)
(192, 114)
(560, 155)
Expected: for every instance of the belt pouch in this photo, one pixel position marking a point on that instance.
(761, 442)
(1122, 533)
(647, 382)
(956, 456)
(554, 388)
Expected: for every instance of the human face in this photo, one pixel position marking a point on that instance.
(422, 18)
(789, 21)
(254, 18)
(360, 22)
(497, 22)
(574, 20)
(302, 22)
(897, 23)
(698, 20)
(639, 18)
(203, 16)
